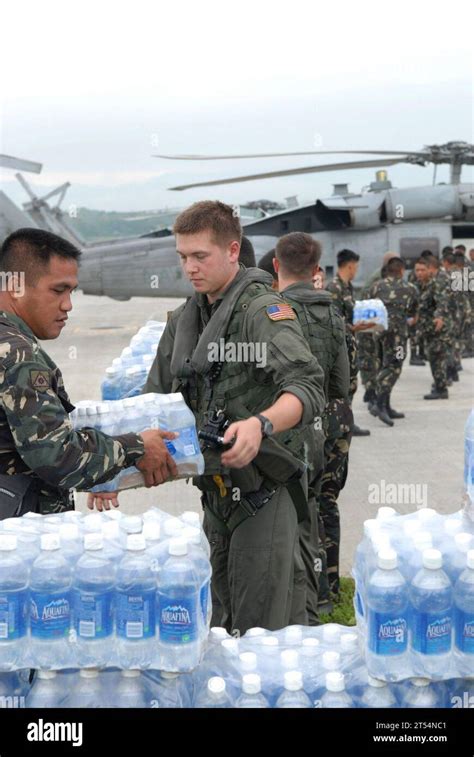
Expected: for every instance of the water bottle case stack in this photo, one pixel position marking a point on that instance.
(414, 598)
(103, 590)
(373, 312)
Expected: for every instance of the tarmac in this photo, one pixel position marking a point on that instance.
(419, 462)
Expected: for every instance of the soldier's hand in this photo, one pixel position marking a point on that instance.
(102, 500)
(438, 324)
(248, 438)
(157, 465)
(361, 326)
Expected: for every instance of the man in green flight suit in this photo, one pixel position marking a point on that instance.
(41, 457)
(237, 353)
(296, 263)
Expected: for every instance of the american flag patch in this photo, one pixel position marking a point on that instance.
(281, 312)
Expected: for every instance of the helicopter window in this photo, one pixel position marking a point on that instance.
(412, 247)
(285, 226)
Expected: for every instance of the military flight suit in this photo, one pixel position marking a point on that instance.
(324, 331)
(41, 457)
(255, 574)
(433, 304)
(400, 299)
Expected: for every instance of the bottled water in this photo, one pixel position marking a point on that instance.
(130, 692)
(50, 605)
(110, 387)
(71, 548)
(293, 696)
(336, 694)
(431, 601)
(176, 416)
(214, 695)
(135, 606)
(387, 602)
(13, 603)
(203, 567)
(248, 662)
(217, 634)
(457, 557)
(179, 610)
(88, 690)
(94, 583)
(420, 693)
(46, 691)
(310, 663)
(464, 618)
(469, 456)
(377, 693)
(28, 545)
(130, 524)
(251, 697)
(331, 636)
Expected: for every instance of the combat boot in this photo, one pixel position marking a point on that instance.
(437, 394)
(382, 409)
(371, 399)
(357, 431)
(391, 412)
(417, 360)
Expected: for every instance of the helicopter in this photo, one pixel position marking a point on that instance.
(379, 218)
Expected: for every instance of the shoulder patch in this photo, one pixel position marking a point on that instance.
(40, 380)
(283, 312)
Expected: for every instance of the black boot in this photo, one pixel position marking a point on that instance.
(391, 412)
(357, 431)
(382, 409)
(417, 360)
(437, 394)
(371, 399)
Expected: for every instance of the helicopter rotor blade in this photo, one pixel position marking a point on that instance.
(8, 161)
(291, 154)
(294, 172)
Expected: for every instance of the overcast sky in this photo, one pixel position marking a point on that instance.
(92, 90)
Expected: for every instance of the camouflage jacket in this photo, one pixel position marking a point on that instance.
(434, 303)
(343, 296)
(36, 435)
(401, 300)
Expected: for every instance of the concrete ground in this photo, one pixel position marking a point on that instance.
(426, 448)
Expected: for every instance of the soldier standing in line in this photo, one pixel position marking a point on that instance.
(400, 299)
(434, 323)
(41, 457)
(342, 293)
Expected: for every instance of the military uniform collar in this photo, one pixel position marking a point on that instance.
(204, 303)
(344, 283)
(18, 322)
(304, 286)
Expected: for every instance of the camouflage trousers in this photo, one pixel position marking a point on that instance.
(368, 360)
(353, 366)
(438, 355)
(393, 348)
(332, 483)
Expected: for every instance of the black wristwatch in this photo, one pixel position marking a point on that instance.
(267, 426)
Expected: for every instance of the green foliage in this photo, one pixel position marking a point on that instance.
(343, 611)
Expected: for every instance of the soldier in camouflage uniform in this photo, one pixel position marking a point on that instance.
(414, 334)
(434, 323)
(252, 490)
(400, 300)
(296, 263)
(41, 457)
(464, 302)
(342, 292)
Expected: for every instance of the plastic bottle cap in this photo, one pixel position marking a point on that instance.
(331, 660)
(335, 681)
(310, 646)
(169, 676)
(178, 547)
(230, 647)
(73, 515)
(50, 542)
(8, 542)
(192, 518)
(111, 372)
(420, 681)
(10, 525)
(384, 513)
(93, 522)
(111, 530)
(173, 526)
(191, 534)
(251, 683)
(248, 661)
(132, 524)
(387, 559)
(470, 559)
(289, 659)
(216, 685)
(136, 542)
(331, 633)
(132, 673)
(293, 680)
(93, 541)
(426, 513)
(370, 526)
(46, 674)
(89, 673)
(376, 682)
(463, 541)
(432, 559)
(151, 531)
(68, 531)
(256, 631)
(270, 641)
(293, 635)
(218, 633)
(114, 515)
(349, 642)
